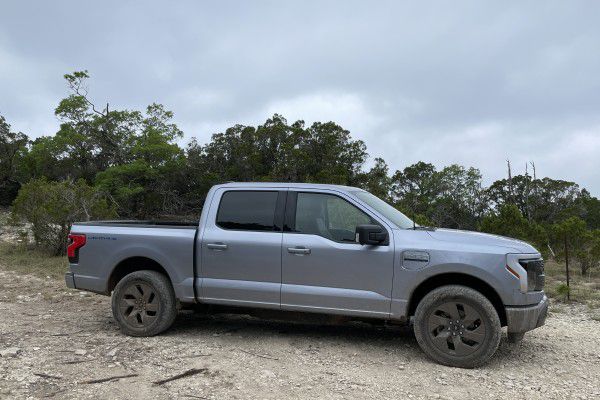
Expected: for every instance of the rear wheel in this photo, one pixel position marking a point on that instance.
(144, 303)
(457, 326)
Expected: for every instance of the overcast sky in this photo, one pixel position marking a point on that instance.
(473, 83)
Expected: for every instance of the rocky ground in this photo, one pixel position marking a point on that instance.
(58, 343)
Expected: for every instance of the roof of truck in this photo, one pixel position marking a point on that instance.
(290, 185)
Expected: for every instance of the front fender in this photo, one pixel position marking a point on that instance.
(489, 269)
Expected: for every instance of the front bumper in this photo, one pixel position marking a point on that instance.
(70, 280)
(523, 319)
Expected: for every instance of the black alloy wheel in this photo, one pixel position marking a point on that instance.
(144, 303)
(456, 328)
(139, 304)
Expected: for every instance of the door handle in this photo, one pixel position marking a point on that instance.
(217, 246)
(298, 250)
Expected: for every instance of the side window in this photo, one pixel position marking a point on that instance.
(329, 216)
(247, 210)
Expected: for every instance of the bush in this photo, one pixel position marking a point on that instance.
(562, 290)
(52, 207)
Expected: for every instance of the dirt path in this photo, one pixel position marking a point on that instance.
(63, 339)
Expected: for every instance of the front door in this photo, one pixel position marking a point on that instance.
(324, 269)
(241, 248)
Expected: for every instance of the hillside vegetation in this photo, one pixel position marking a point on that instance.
(110, 163)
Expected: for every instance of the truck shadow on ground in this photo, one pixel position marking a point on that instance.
(333, 333)
(290, 324)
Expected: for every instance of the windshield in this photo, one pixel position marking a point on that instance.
(395, 216)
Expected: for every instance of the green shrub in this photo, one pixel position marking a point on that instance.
(50, 208)
(562, 290)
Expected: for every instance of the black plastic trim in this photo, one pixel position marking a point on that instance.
(278, 220)
(290, 212)
(195, 264)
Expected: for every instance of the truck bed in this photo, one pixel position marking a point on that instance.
(170, 244)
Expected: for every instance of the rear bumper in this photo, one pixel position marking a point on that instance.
(70, 280)
(88, 283)
(523, 319)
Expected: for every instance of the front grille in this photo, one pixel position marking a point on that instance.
(535, 274)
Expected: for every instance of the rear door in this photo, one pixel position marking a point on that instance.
(241, 248)
(324, 269)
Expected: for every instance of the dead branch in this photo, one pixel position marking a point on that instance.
(66, 334)
(197, 355)
(259, 355)
(42, 375)
(52, 394)
(75, 362)
(188, 373)
(110, 378)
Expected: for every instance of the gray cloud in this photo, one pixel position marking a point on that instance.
(443, 82)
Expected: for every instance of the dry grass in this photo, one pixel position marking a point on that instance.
(19, 258)
(583, 289)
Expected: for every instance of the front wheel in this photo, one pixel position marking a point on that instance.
(144, 303)
(457, 326)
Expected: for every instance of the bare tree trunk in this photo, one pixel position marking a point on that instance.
(567, 267)
(527, 193)
(510, 183)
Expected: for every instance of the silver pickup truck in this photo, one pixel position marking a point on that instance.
(320, 249)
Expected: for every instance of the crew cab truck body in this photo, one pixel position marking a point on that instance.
(316, 248)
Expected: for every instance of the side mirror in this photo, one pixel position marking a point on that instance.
(371, 234)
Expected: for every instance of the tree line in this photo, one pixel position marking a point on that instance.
(107, 163)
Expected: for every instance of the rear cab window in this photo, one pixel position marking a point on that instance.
(249, 210)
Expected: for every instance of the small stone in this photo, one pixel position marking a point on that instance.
(268, 374)
(80, 352)
(113, 352)
(10, 352)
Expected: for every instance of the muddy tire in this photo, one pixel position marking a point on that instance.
(457, 326)
(144, 303)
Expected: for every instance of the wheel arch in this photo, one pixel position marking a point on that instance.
(132, 264)
(462, 279)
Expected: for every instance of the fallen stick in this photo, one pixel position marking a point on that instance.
(66, 333)
(196, 355)
(110, 378)
(42, 375)
(189, 372)
(259, 355)
(52, 394)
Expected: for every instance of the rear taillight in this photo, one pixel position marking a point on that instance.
(76, 241)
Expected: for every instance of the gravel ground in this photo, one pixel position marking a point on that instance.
(55, 341)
